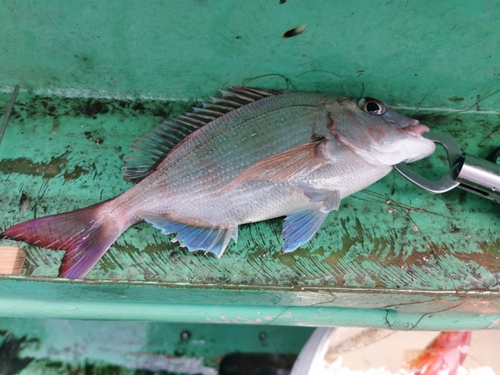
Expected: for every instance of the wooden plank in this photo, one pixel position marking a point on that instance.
(11, 260)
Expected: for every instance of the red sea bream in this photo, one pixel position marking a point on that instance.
(251, 155)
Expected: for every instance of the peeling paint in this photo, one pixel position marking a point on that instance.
(456, 249)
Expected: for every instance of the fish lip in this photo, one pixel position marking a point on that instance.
(416, 130)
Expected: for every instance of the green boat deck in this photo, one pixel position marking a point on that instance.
(402, 258)
(95, 76)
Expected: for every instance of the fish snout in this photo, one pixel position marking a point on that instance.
(416, 130)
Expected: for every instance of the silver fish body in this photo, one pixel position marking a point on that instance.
(282, 154)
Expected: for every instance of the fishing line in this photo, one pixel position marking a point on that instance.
(362, 89)
(321, 71)
(285, 78)
(476, 103)
(419, 104)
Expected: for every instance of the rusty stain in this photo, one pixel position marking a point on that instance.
(409, 262)
(92, 107)
(47, 170)
(75, 173)
(26, 166)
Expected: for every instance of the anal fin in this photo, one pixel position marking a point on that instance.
(211, 239)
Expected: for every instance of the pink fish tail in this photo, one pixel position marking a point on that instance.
(445, 354)
(85, 235)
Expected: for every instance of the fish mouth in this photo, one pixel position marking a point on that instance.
(416, 130)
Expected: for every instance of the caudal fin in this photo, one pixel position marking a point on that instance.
(84, 234)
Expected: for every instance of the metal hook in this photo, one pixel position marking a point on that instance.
(447, 182)
(470, 173)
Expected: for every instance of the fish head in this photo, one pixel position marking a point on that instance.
(376, 132)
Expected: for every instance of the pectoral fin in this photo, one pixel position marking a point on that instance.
(330, 198)
(290, 164)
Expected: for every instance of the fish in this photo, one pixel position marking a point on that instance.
(320, 355)
(443, 356)
(323, 351)
(249, 155)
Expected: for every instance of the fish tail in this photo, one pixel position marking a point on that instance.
(84, 234)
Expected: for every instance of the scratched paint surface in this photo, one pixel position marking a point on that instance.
(393, 256)
(67, 153)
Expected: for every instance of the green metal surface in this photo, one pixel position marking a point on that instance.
(258, 305)
(393, 256)
(401, 51)
(49, 346)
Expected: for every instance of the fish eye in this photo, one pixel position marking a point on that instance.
(372, 106)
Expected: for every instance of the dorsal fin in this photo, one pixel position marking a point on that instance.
(152, 147)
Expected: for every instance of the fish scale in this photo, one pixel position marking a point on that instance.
(249, 148)
(269, 153)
